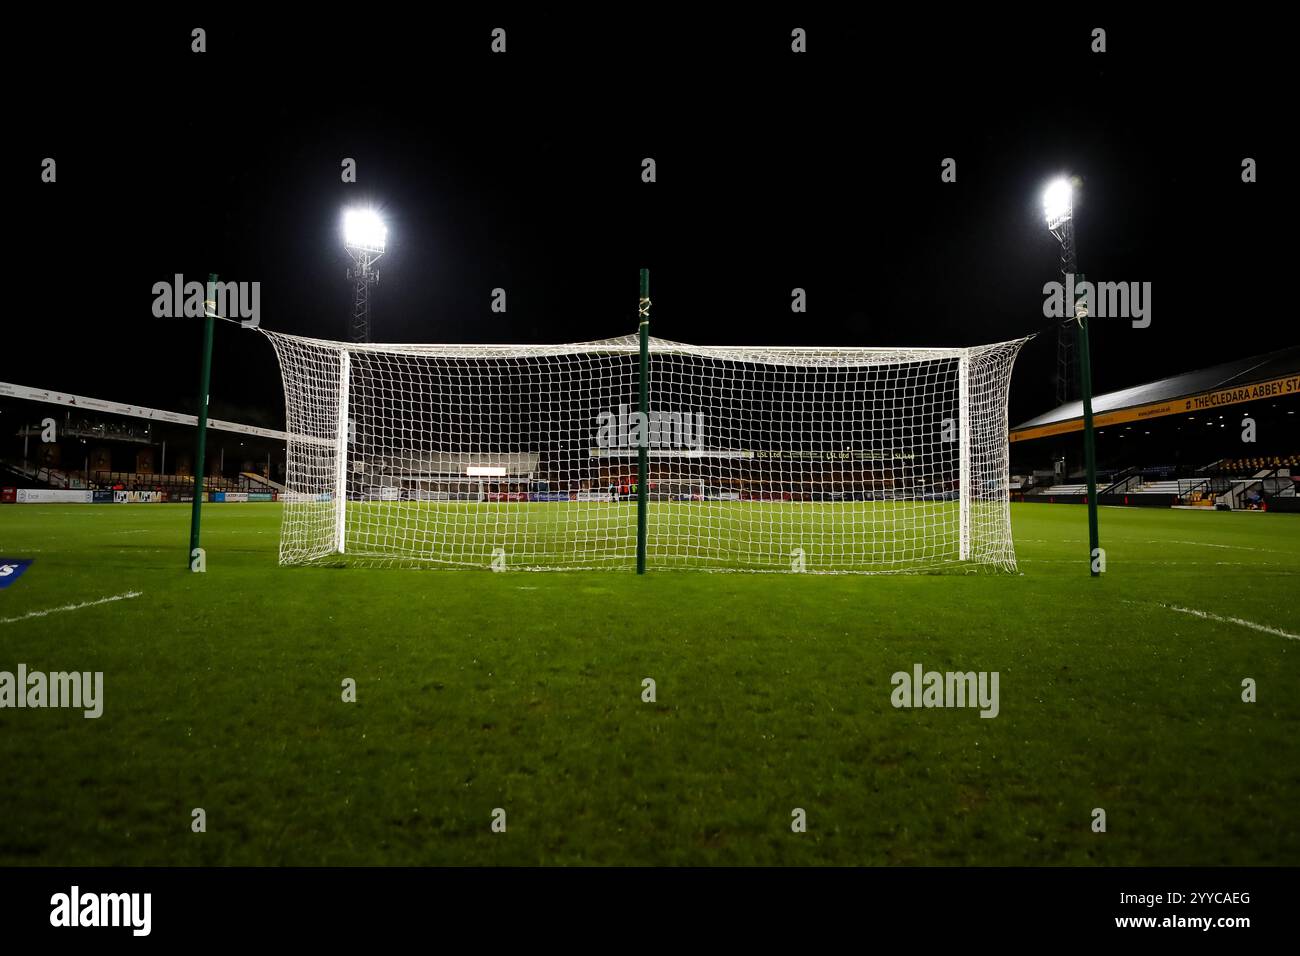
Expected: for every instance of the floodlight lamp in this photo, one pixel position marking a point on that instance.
(364, 230)
(1057, 200)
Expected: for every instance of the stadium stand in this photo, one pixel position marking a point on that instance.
(258, 482)
(1259, 377)
(1065, 488)
(129, 481)
(1167, 486)
(1241, 465)
(1188, 440)
(66, 442)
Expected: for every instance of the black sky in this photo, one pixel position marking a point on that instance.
(522, 171)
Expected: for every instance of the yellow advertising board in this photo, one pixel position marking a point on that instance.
(1189, 404)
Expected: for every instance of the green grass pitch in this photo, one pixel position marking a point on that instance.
(523, 691)
(884, 537)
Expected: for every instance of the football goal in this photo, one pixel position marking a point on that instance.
(866, 460)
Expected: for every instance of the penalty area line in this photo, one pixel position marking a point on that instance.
(125, 596)
(1206, 615)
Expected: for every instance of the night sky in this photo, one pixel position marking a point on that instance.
(522, 171)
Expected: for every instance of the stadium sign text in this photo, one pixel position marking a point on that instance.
(1219, 398)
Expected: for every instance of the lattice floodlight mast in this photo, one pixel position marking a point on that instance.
(1058, 209)
(765, 459)
(1058, 204)
(365, 237)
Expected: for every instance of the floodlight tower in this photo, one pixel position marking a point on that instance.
(1057, 205)
(1058, 208)
(365, 236)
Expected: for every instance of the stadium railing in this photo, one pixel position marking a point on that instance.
(144, 481)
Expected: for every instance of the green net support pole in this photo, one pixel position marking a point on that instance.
(1089, 442)
(643, 447)
(200, 445)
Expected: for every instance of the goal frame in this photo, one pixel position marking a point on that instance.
(338, 438)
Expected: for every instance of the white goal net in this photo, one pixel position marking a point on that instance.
(763, 459)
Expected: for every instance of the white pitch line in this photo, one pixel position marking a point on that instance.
(1230, 547)
(126, 596)
(1231, 620)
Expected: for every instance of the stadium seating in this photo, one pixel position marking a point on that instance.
(1167, 486)
(258, 482)
(40, 476)
(135, 481)
(1077, 488)
(1251, 465)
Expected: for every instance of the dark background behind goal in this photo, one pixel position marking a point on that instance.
(522, 171)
